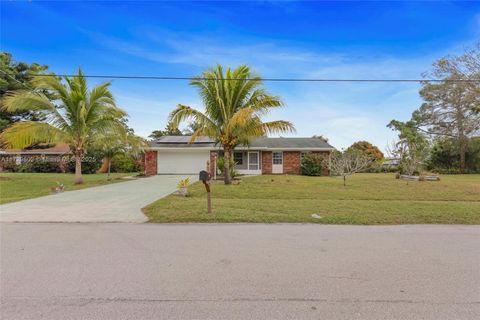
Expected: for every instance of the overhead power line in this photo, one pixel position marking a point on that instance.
(20, 82)
(263, 79)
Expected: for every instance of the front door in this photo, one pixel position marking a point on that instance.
(253, 160)
(277, 162)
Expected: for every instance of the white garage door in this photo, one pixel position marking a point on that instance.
(182, 162)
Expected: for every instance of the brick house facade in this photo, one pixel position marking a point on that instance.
(177, 155)
(292, 162)
(267, 162)
(150, 158)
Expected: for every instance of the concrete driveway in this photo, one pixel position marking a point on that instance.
(117, 202)
(238, 271)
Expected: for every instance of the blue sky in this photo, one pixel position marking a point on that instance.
(277, 39)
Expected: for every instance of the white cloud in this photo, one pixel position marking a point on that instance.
(344, 112)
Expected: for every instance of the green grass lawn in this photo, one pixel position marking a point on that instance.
(20, 186)
(367, 199)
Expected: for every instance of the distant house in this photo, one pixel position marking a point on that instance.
(390, 163)
(59, 152)
(175, 155)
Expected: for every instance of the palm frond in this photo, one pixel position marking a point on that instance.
(234, 105)
(239, 119)
(26, 133)
(23, 100)
(278, 127)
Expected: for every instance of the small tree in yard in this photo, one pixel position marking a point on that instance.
(221, 166)
(412, 147)
(113, 145)
(347, 163)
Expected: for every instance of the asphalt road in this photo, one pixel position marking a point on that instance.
(239, 271)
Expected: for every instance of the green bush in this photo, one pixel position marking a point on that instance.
(313, 164)
(8, 164)
(91, 162)
(32, 165)
(454, 171)
(221, 166)
(125, 163)
(391, 169)
(43, 165)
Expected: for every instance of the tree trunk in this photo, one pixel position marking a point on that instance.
(78, 170)
(109, 167)
(226, 165)
(462, 139)
(463, 151)
(104, 167)
(344, 181)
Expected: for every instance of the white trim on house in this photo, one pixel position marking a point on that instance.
(180, 149)
(240, 149)
(277, 168)
(252, 165)
(258, 165)
(282, 149)
(299, 149)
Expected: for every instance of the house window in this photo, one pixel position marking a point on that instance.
(238, 158)
(277, 157)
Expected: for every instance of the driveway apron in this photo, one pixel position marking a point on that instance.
(117, 202)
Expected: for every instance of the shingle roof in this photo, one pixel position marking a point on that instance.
(59, 148)
(290, 143)
(182, 142)
(259, 143)
(183, 139)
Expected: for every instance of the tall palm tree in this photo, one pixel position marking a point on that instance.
(234, 104)
(73, 114)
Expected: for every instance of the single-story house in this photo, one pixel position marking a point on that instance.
(175, 155)
(55, 153)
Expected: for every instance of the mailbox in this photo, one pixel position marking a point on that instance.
(204, 176)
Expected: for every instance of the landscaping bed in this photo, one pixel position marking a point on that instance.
(367, 199)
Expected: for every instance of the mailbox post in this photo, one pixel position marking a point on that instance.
(204, 176)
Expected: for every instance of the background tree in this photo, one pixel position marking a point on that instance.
(451, 107)
(368, 149)
(411, 148)
(77, 116)
(112, 145)
(347, 163)
(16, 76)
(191, 128)
(170, 130)
(234, 104)
(444, 155)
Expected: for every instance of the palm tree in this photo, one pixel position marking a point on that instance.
(73, 115)
(234, 105)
